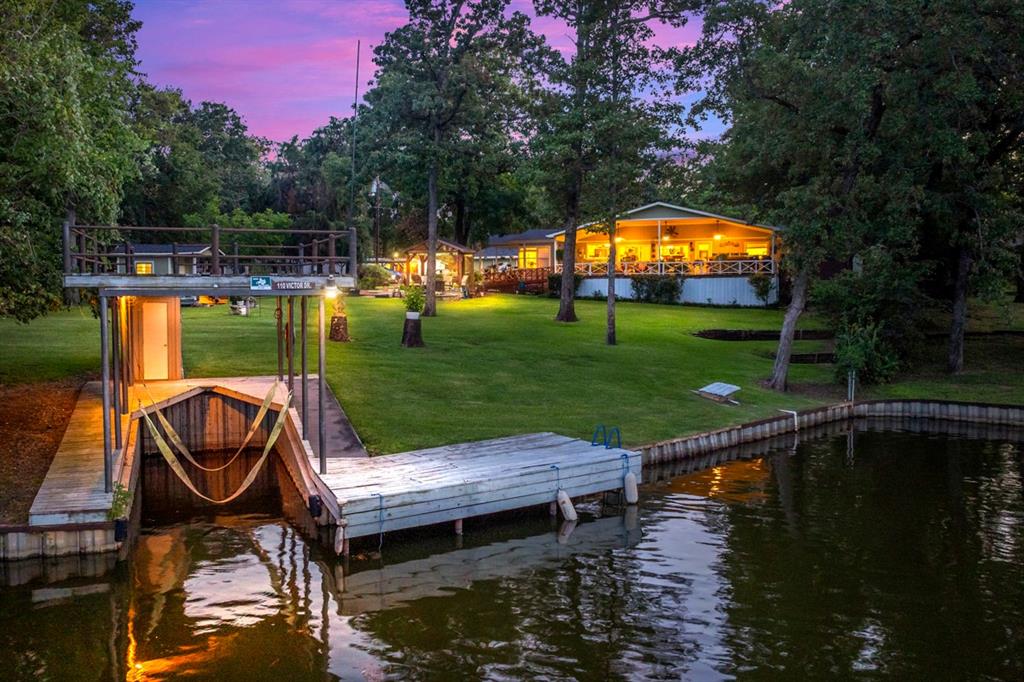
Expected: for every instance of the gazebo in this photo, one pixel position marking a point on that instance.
(453, 264)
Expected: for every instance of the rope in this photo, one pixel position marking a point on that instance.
(176, 467)
(625, 464)
(380, 522)
(183, 449)
(558, 477)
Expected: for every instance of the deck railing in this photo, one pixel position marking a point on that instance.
(112, 250)
(688, 268)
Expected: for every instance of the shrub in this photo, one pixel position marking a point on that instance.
(761, 283)
(415, 298)
(373, 276)
(555, 284)
(657, 288)
(864, 349)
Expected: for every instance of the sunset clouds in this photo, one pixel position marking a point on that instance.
(285, 65)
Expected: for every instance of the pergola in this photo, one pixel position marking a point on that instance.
(460, 256)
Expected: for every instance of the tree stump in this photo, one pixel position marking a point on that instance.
(412, 334)
(339, 328)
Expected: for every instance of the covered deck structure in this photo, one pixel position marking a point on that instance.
(453, 265)
(656, 239)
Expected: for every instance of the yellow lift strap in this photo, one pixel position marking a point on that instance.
(176, 467)
(183, 449)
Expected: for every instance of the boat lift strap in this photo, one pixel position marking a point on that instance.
(179, 470)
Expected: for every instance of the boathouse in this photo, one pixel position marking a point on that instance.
(146, 409)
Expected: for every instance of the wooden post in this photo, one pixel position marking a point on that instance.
(353, 259)
(174, 258)
(458, 526)
(129, 251)
(215, 250)
(331, 254)
(66, 228)
(321, 390)
(289, 343)
(116, 337)
(238, 270)
(280, 339)
(304, 313)
(105, 380)
(83, 248)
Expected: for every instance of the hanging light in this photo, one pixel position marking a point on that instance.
(331, 288)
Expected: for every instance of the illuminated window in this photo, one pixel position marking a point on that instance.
(527, 258)
(144, 268)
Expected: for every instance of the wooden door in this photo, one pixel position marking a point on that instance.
(155, 352)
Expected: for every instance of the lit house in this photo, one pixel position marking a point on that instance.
(716, 255)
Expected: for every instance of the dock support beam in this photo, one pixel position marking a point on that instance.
(303, 332)
(321, 390)
(280, 340)
(289, 343)
(116, 369)
(105, 380)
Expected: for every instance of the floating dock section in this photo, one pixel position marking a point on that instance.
(437, 485)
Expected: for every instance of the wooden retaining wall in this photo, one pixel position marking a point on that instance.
(695, 445)
(23, 542)
(212, 421)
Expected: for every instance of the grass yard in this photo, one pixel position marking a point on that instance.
(500, 365)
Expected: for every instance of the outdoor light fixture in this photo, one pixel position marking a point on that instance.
(331, 288)
(718, 237)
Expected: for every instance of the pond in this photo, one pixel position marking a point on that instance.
(880, 554)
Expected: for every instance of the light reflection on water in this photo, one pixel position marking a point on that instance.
(891, 555)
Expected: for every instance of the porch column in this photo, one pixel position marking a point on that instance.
(321, 390)
(661, 269)
(105, 381)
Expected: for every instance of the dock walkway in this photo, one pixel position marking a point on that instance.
(425, 487)
(365, 495)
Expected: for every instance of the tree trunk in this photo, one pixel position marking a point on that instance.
(567, 296)
(780, 372)
(610, 335)
(430, 309)
(955, 362)
(461, 219)
(412, 333)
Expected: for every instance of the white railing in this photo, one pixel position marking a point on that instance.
(687, 268)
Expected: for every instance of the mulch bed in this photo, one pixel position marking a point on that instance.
(33, 418)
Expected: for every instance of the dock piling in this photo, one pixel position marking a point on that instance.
(105, 389)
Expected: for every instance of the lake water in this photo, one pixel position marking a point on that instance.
(885, 555)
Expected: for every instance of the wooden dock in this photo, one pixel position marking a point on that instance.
(426, 487)
(364, 496)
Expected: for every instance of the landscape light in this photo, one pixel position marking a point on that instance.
(331, 288)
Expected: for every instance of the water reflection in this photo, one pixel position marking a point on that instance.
(900, 558)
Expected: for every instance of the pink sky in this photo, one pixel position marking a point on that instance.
(285, 65)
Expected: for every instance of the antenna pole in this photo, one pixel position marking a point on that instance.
(353, 262)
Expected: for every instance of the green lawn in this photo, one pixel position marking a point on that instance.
(500, 365)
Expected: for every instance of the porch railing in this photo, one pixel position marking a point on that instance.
(688, 268)
(232, 251)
